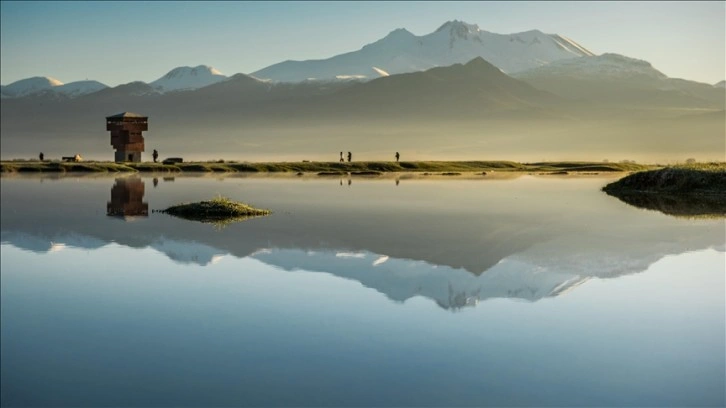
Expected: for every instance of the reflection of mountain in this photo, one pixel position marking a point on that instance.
(127, 196)
(451, 241)
(402, 279)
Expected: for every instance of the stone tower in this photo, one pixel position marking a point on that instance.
(126, 135)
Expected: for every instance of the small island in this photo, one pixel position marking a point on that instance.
(220, 210)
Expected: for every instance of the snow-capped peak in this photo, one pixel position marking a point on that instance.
(459, 28)
(30, 86)
(36, 85)
(454, 42)
(400, 32)
(187, 78)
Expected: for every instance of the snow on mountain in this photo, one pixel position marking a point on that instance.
(51, 86)
(30, 86)
(605, 66)
(188, 78)
(78, 88)
(454, 42)
(721, 84)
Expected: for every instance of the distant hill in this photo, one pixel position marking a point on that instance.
(476, 88)
(50, 87)
(178, 79)
(612, 79)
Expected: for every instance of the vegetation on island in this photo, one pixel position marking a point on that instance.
(219, 211)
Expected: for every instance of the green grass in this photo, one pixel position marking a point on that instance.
(63, 167)
(323, 168)
(219, 211)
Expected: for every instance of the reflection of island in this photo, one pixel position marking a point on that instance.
(127, 196)
(490, 242)
(683, 205)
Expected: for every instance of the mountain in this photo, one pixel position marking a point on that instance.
(178, 79)
(137, 88)
(50, 87)
(78, 88)
(188, 78)
(606, 66)
(29, 86)
(721, 84)
(469, 111)
(475, 88)
(454, 42)
(613, 79)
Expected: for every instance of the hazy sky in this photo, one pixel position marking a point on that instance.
(119, 42)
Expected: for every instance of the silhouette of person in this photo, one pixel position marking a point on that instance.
(341, 157)
(397, 156)
(156, 182)
(349, 181)
(41, 156)
(397, 181)
(350, 157)
(155, 155)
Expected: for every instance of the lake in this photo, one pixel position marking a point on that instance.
(489, 291)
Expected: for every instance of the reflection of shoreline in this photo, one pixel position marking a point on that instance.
(414, 176)
(684, 205)
(466, 238)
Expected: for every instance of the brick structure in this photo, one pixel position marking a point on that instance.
(126, 135)
(127, 195)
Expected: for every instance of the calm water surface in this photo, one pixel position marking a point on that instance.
(511, 292)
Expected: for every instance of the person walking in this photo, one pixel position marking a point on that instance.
(341, 157)
(397, 157)
(155, 155)
(350, 157)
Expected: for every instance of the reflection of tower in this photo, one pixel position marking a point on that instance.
(126, 198)
(126, 135)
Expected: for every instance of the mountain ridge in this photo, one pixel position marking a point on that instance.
(455, 41)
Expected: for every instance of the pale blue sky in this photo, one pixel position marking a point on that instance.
(119, 42)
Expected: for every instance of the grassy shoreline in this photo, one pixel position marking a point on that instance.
(322, 168)
(696, 179)
(690, 191)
